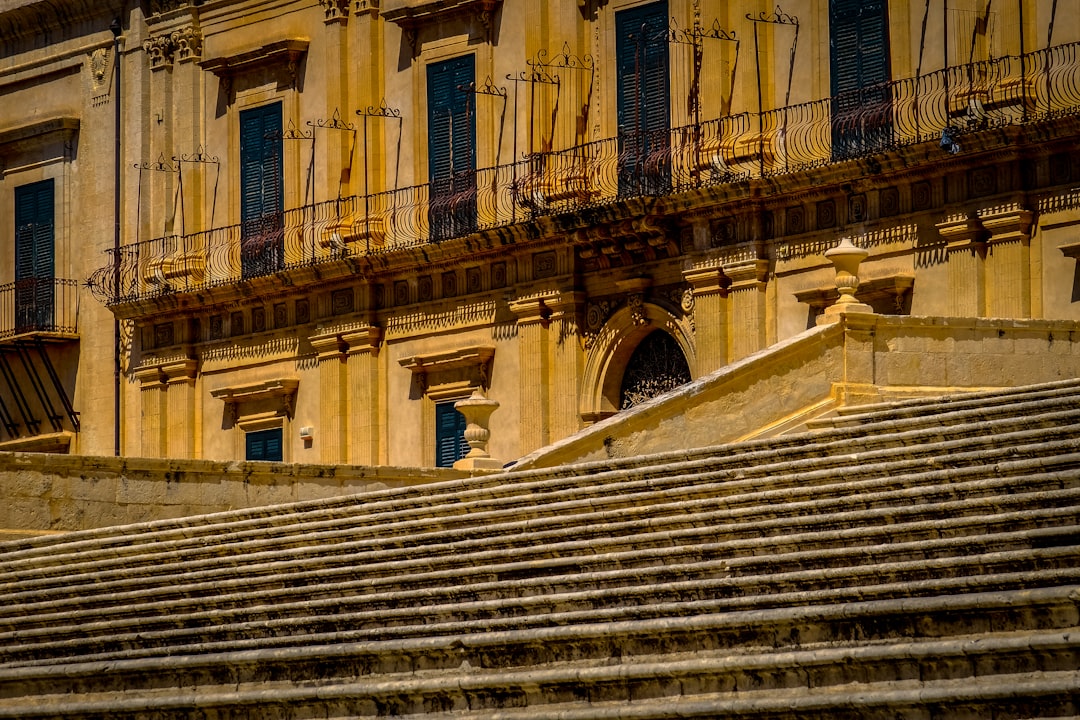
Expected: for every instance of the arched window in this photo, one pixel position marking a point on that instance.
(656, 366)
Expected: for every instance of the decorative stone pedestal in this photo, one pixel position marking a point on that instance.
(846, 258)
(477, 410)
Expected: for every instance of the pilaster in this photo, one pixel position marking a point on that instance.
(565, 361)
(966, 253)
(179, 402)
(533, 316)
(152, 386)
(333, 423)
(746, 306)
(1008, 261)
(364, 399)
(710, 297)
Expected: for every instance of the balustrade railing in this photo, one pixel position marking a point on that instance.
(39, 305)
(953, 101)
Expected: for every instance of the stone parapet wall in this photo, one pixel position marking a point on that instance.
(862, 358)
(43, 493)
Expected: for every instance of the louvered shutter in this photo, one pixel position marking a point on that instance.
(263, 445)
(859, 50)
(262, 189)
(451, 147)
(34, 255)
(450, 442)
(643, 113)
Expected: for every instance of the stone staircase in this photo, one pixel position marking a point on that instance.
(911, 560)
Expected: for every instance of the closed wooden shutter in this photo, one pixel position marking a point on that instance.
(34, 256)
(859, 52)
(643, 112)
(451, 147)
(263, 445)
(262, 189)
(450, 442)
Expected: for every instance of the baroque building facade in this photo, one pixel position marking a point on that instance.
(335, 219)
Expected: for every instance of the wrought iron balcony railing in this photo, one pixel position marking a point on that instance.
(39, 305)
(946, 104)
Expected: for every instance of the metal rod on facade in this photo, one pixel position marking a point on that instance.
(116, 27)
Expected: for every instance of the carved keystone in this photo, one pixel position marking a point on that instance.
(477, 410)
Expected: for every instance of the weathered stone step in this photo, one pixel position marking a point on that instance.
(528, 540)
(432, 500)
(870, 622)
(851, 415)
(391, 615)
(997, 396)
(402, 694)
(398, 529)
(591, 590)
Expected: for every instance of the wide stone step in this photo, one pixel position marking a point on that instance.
(449, 497)
(841, 505)
(981, 402)
(456, 610)
(316, 534)
(655, 677)
(872, 623)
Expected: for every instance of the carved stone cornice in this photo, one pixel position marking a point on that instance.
(280, 52)
(36, 17)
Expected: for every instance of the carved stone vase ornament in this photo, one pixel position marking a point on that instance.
(477, 410)
(845, 257)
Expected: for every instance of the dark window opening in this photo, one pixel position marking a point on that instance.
(262, 191)
(263, 445)
(451, 148)
(450, 444)
(644, 116)
(656, 366)
(861, 97)
(34, 257)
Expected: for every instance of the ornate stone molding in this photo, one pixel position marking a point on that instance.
(336, 10)
(282, 389)
(284, 52)
(159, 51)
(469, 367)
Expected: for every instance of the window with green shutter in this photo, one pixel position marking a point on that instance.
(262, 191)
(644, 117)
(34, 253)
(451, 147)
(450, 442)
(859, 52)
(263, 445)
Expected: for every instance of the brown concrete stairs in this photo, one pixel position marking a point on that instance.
(919, 559)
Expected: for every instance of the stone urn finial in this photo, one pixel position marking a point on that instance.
(845, 257)
(477, 410)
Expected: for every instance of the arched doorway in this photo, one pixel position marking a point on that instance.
(656, 366)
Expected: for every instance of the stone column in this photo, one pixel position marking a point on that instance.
(565, 358)
(333, 424)
(152, 386)
(710, 297)
(966, 252)
(1008, 262)
(746, 306)
(364, 398)
(532, 323)
(179, 403)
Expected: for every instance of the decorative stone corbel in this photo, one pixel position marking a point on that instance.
(336, 10)
(187, 44)
(159, 50)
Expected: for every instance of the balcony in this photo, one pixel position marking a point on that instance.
(949, 103)
(46, 308)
